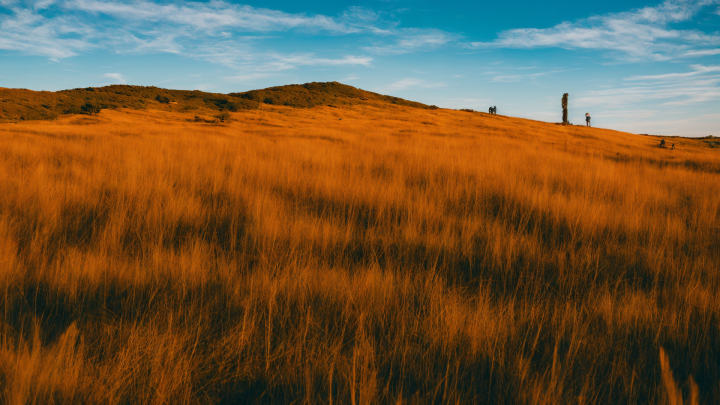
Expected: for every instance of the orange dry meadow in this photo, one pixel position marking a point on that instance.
(374, 254)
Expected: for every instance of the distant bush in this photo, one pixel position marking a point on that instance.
(223, 116)
(91, 107)
(433, 107)
(162, 99)
(231, 106)
(268, 100)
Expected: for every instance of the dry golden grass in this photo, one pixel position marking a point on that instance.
(373, 254)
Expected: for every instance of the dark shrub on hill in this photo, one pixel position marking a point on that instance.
(223, 116)
(91, 107)
(162, 99)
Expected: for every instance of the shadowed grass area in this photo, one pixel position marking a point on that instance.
(396, 255)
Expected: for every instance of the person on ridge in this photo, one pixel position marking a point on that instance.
(490, 110)
(495, 109)
(587, 119)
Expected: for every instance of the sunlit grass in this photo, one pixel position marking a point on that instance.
(374, 254)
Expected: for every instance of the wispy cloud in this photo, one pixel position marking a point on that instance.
(205, 87)
(409, 83)
(700, 85)
(212, 16)
(517, 78)
(705, 52)
(116, 77)
(292, 61)
(249, 78)
(27, 31)
(217, 31)
(643, 34)
(413, 40)
(697, 70)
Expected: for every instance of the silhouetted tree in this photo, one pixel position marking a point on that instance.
(564, 107)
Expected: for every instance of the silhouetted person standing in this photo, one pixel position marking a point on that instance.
(495, 110)
(490, 110)
(564, 107)
(662, 143)
(587, 119)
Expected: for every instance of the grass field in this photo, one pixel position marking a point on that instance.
(373, 254)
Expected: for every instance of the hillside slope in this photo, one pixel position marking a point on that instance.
(370, 254)
(26, 105)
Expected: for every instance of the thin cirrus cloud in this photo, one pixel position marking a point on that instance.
(412, 40)
(411, 83)
(638, 35)
(698, 86)
(212, 16)
(517, 78)
(27, 31)
(218, 31)
(115, 77)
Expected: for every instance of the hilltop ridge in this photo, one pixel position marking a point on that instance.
(320, 93)
(24, 105)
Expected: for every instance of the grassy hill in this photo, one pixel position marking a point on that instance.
(370, 254)
(332, 94)
(25, 105)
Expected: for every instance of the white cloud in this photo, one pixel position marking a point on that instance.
(697, 70)
(216, 31)
(704, 52)
(29, 32)
(211, 16)
(205, 87)
(292, 61)
(117, 77)
(248, 78)
(409, 83)
(638, 35)
(698, 86)
(517, 78)
(412, 40)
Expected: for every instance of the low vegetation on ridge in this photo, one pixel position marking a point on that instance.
(26, 105)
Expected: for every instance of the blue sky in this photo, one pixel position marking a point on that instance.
(638, 66)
